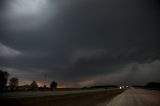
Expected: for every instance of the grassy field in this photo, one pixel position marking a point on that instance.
(37, 93)
(77, 99)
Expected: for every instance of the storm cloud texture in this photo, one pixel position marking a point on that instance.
(81, 42)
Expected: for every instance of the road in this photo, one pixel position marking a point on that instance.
(135, 97)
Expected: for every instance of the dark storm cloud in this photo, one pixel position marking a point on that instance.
(85, 38)
(99, 64)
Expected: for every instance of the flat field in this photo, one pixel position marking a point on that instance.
(81, 98)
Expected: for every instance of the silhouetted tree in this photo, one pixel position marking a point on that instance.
(13, 83)
(53, 84)
(3, 79)
(34, 85)
(153, 85)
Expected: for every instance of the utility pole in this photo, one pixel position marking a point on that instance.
(44, 74)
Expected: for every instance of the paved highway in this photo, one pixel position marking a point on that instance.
(135, 97)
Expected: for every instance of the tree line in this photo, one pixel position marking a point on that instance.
(14, 81)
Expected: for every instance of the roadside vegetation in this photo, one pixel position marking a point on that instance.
(150, 85)
(13, 84)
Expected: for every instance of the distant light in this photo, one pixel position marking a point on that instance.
(120, 87)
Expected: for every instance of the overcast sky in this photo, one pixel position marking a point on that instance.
(81, 42)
